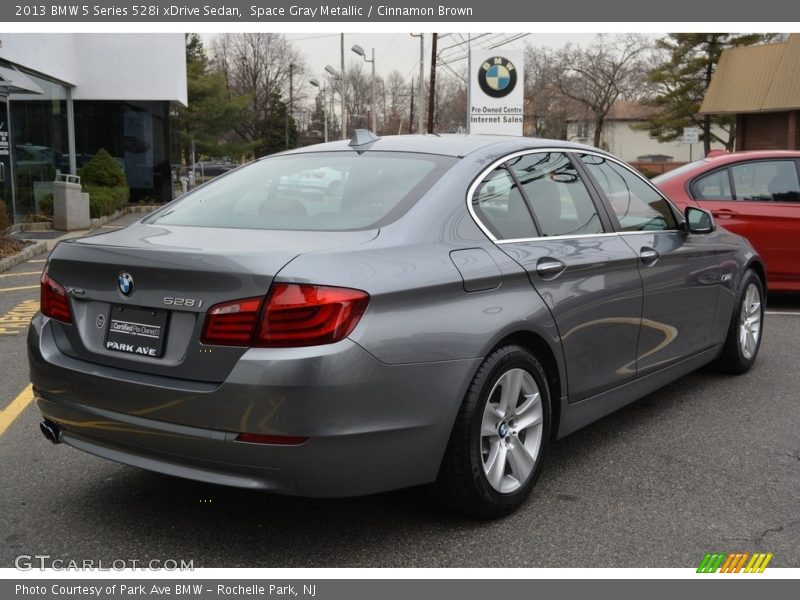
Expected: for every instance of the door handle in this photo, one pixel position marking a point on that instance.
(648, 255)
(550, 267)
(724, 213)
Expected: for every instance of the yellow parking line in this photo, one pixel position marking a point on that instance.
(19, 274)
(40, 260)
(13, 410)
(16, 289)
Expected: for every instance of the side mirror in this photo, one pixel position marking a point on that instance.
(699, 220)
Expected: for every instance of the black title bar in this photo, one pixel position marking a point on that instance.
(309, 11)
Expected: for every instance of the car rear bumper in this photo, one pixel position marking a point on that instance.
(370, 426)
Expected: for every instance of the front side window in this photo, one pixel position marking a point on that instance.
(638, 206)
(319, 191)
(768, 180)
(560, 201)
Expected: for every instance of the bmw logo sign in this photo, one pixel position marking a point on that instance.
(125, 284)
(497, 77)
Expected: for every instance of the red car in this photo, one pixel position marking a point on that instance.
(754, 194)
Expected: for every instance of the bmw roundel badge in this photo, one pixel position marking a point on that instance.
(497, 77)
(125, 284)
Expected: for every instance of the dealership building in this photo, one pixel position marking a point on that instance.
(65, 96)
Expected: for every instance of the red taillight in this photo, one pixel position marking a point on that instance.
(232, 323)
(53, 300)
(292, 315)
(308, 315)
(277, 440)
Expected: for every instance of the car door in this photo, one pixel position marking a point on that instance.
(543, 216)
(759, 200)
(680, 271)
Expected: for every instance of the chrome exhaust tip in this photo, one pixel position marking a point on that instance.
(50, 430)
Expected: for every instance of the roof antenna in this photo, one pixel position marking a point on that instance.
(362, 139)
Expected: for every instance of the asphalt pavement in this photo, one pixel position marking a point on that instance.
(709, 463)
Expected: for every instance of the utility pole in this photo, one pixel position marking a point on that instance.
(469, 81)
(411, 112)
(344, 87)
(432, 83)
(420, 117)
(287, 113)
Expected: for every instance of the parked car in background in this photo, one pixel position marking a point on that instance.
(458, 303)
(754, 194)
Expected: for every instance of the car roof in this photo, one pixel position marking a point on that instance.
(456, 145)
(729, 157)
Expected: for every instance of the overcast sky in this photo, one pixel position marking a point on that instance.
(401, 51)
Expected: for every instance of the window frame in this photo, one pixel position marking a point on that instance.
(570, 154)
(693, 190)
(729, 166)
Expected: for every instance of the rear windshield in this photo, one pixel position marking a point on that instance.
(320, 191)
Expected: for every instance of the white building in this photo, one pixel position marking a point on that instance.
(64, 96)
(632, 145)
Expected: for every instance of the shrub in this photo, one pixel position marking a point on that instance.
(105, 200)
(102, 171)
(5, 222)
(46, 204)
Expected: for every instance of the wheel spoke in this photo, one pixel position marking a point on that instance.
(750, 344)
(495, 465)
(520, 461)
(489, 422)
(529, 413)
(511, 386)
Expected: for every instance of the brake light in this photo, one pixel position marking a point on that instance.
(53, 300)
(292, 315)
(232, 323)
(309, 315)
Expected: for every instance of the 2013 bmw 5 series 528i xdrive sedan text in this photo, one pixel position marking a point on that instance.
(437, 313)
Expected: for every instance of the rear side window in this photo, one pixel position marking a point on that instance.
(320, 191)
(768, 180)
(499, 205)
(714, 186)
(638, 206)
(561, 203)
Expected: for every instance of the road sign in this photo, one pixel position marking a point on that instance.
(691, 135)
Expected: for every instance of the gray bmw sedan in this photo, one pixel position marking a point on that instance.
(350, 318)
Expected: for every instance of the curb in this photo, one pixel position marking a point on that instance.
(20, 257)
(45, 245)
(93, 223)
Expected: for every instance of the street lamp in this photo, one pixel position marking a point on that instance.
(360, 51)
(335, 74)
(321, 86)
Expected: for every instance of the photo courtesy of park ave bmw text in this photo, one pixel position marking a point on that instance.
(297, 294)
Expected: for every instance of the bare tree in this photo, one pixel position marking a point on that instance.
(396, 99)
(546, 106)
(265, 67)
(595, 77)
(450, 103)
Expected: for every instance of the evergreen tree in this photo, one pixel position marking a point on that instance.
(682, 80)
(213, 112)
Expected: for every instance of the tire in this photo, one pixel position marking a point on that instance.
(746, 327)
(499, 440)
